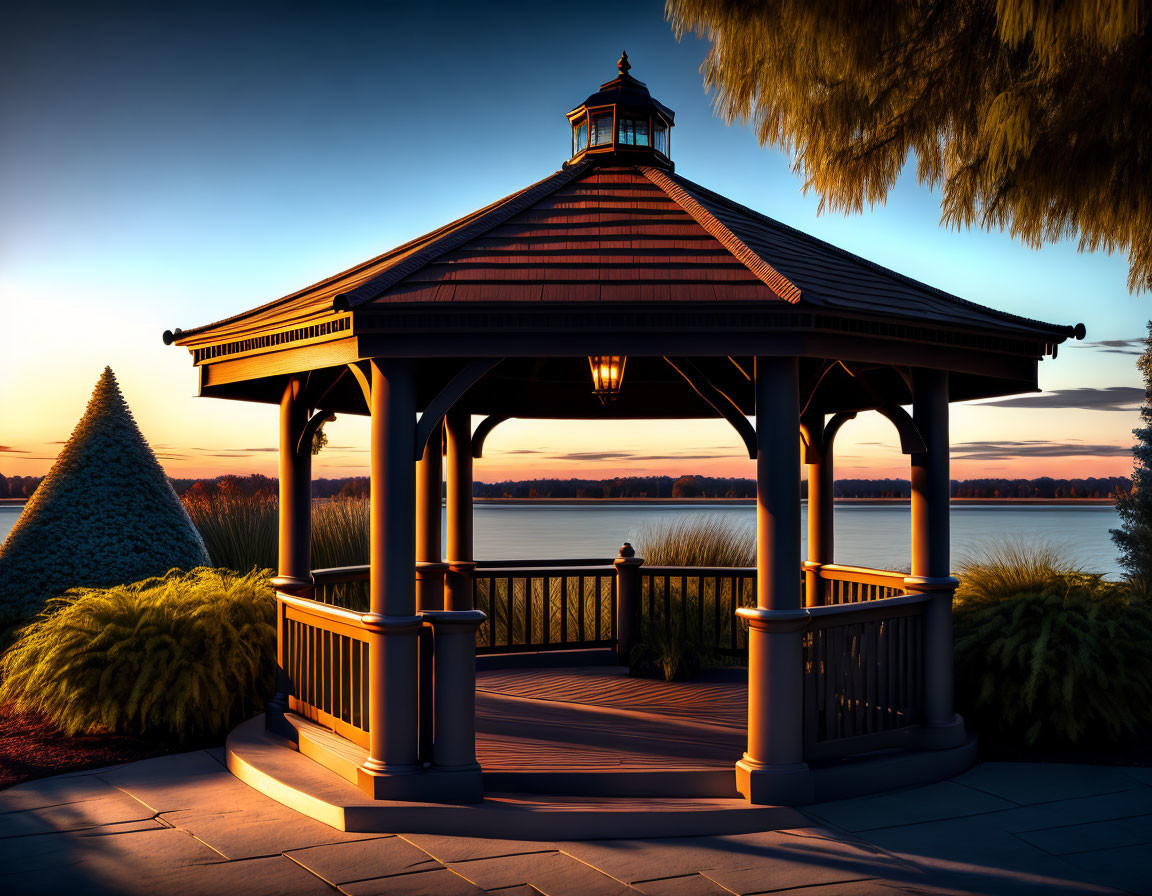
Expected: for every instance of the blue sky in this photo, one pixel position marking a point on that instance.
(168, 166)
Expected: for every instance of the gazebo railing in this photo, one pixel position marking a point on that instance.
(323, 651)
(701, 601)
(557, 605)
(863, 675)
(856, 584)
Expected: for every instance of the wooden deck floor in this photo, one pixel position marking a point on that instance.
(598, 718)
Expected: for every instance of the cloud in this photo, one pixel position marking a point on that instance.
(257, 449)
(9, 450)
(1011, 450)
(1111, 398)
(581, 456)
(1119, 346)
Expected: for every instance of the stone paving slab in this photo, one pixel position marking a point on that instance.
(1096, 835)
(1046, 782)
(340, 863)
(947, 799)
(250, 832)
(1126, 868)
(110, 808)
(445, 848)
(552, 873)
(437, 882)
(684, 885)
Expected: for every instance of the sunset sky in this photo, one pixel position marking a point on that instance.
(165, 167)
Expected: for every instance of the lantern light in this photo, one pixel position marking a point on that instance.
(607, 375)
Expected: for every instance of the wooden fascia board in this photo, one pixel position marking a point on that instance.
(315, 356)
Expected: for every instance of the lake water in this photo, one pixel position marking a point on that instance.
(866, 535)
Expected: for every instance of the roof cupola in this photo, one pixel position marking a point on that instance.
(622, 124)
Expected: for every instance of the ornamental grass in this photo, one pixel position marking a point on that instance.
(178, 657)
(1048, 654)
(241, 530)
(710, 540)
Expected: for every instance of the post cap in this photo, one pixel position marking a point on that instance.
(626, 550)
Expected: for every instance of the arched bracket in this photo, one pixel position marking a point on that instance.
(819, 437)
(304, 443)
(911, 441)
(363, 380)
(721, 403)
(448, 396)
(486, 426)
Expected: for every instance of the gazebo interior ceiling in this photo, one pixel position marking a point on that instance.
(561, 388)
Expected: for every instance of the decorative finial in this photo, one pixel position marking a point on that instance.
(623, 64)
(627, 550)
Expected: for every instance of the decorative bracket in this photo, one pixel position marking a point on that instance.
(911, 441)
(449, 395)
(364, 381)
(818, 436)
(304, 443)
(721, 403)
(486, 426)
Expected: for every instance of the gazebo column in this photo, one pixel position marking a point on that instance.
(773, 768)
(818, 458)
(461, 560)
(392, 622)
(931, 565)
(294, 573)
(430, 567)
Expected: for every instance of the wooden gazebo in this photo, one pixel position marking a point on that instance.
(617, 289)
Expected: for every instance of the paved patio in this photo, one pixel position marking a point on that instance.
(182, 824)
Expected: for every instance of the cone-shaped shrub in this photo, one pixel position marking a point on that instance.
(181, 656)
(105, 515)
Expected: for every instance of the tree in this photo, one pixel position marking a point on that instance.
(104, 515)
(1031, 117)
(1134, 504)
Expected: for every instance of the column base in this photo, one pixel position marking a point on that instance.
(940, 736)
(403, 783)
(780, 785)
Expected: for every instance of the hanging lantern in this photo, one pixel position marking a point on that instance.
(607, 374)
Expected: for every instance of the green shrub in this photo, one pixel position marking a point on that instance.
(712, 540)
(1046, 653)
(180, 656)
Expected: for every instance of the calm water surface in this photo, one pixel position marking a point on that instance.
(869, 535)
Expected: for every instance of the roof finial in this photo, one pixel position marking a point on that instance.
(623, 65)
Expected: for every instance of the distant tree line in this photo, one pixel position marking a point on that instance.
(644, 487)
(18, 486)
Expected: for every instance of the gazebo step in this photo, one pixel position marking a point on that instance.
(542, 772)
(269, 763)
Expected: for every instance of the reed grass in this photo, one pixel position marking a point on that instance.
(241, 531)
(712, 540)
(183, 656)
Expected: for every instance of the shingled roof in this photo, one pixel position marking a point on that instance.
(640, 234)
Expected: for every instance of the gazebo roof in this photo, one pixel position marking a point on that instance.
(633, 235)
(612, 255)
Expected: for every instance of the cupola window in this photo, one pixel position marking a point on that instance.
(633, 132)
(580, 136)
(601, 128)
(660, 138)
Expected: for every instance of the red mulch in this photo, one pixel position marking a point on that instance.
(32, 747)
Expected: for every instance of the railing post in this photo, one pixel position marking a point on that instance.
(628, 599)
(459, 777)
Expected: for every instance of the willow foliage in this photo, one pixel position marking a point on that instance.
(1045, 653)
(1031, 116)
(179, 656)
